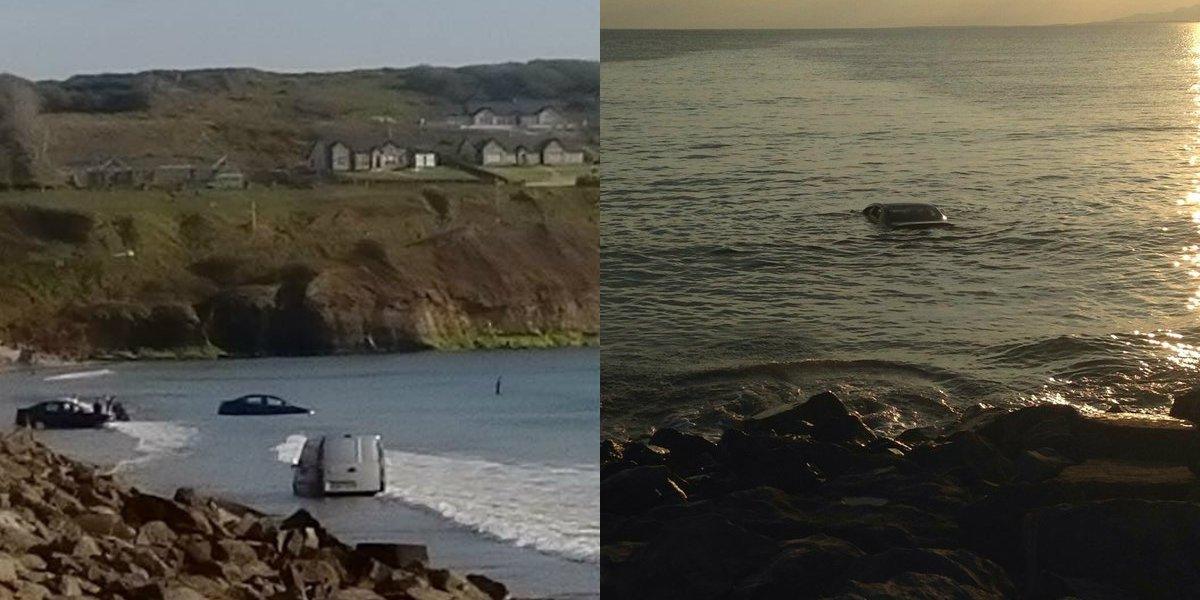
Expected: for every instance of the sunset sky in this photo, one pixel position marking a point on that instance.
(685, 14)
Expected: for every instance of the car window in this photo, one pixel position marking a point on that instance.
(275, 401)
(913, 213)
(52, 407)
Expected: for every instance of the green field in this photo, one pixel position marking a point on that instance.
(440, 173)
(541, 175)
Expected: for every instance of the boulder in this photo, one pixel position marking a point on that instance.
(142, 508)
(806, 567)
(700, 557)
(396, 556)
(1186, 406)
(494, 589)
(634, 490)
(686, 448)
(1145, 547)
(155, 533)
(822, 416)
(1040, 465)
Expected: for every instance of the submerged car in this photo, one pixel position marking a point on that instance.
(906, 215)
(63, 413)
(340, 465)
(260, 404)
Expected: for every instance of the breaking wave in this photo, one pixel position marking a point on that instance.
(155, 439)
(552, 509)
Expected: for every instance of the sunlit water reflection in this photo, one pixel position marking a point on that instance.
(738, 273)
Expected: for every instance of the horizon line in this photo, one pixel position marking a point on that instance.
(868, 27)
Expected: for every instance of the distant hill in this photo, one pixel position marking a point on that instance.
(263, 120)
(1187, 14)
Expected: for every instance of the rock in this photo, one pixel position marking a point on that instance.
(1154, 542)
(611, 452)
(1040, 465)
(634, 490)
(644, 455)
(914, 586)
(700, 557)
(396, 556)
(99, 523)
(690, 449)
(142, 508)
(1186, 406)
(823, 416)
(494, 589)
(967, 454)
(960, 566)
(355, 594)
(155, 533)
(86, 547)
(8, 569)
(808, 567)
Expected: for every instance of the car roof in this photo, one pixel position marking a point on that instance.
(909, 205)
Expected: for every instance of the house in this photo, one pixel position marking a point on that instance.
(544, 117)
(525, 156)
(388, 156)
(227, 180)
(357, 154)
(489, 117)
(555, 153)
(112, 172)
(486, 152)
(173, 176)
(329, 156)
(424, 159)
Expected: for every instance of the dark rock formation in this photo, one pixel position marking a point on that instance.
(67, 531)
(1040, 502)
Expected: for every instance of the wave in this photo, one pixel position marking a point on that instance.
(288, 451)
(79, 375)
(552, 509)
(155, 439)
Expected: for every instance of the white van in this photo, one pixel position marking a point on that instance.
(333, 465)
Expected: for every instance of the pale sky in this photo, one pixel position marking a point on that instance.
(784, 14)
(52, 39)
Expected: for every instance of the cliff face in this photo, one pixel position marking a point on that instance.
(300, 272)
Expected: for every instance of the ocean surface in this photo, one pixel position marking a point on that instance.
(738, 272)
(507, 485)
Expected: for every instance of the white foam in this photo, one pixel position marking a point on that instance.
(79, 375)
(155, 439)
(555, 510)
(288, 451)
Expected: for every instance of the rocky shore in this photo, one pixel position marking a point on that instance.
(807, 502)
(69, 531)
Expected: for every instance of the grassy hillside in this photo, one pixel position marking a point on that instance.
(265, 120)
(273, 271)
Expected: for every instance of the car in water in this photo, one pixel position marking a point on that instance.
(340, 465)
(906, 215)
(260, 404)
(62, 413)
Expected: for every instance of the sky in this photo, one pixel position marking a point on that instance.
(784, 14)
(54, 39)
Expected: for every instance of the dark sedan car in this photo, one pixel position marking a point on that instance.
(260, 404)
(906, 215)
(61, 414)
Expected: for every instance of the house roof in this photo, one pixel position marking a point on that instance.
(516, 106)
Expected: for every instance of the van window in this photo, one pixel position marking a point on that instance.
(310, 454)
(343, 450)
